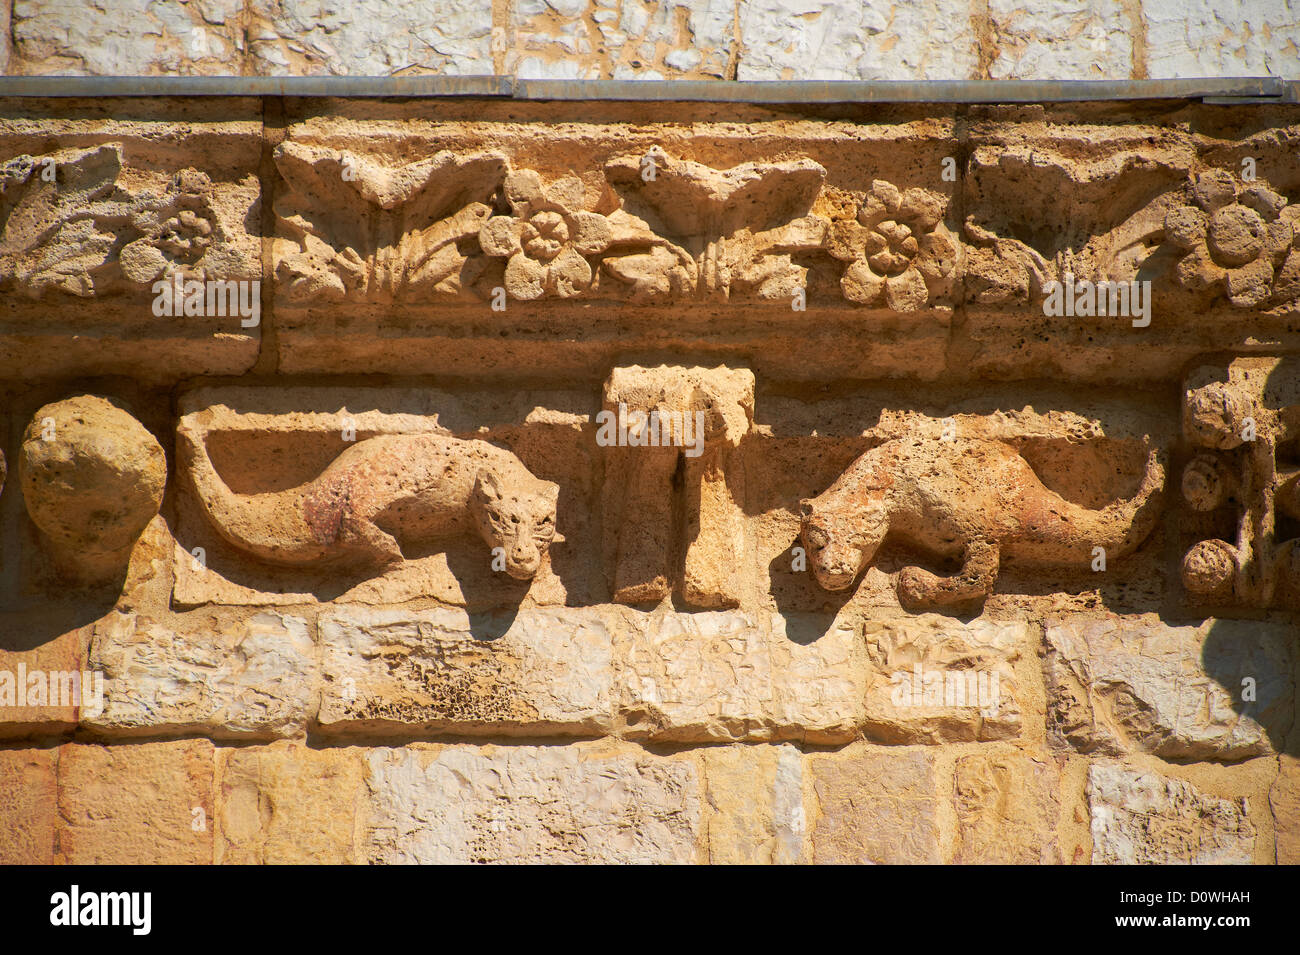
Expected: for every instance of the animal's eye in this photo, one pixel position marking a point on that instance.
(546, 519)
(514, 518)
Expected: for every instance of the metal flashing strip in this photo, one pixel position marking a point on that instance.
(1216, 90)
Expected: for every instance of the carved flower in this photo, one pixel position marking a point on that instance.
(547, 238)
(899, 251)
(1238, 236)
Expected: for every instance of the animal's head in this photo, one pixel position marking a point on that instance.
(840, 538)
(519, 518)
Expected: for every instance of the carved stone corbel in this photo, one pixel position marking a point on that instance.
(673, 482)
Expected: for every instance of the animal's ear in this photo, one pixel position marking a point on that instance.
(551, 491)
(488, 484)
(805, 508)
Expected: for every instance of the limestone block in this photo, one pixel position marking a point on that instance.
(286, 804)
(1284, 798)
(1072, 40)
(28, 813)
(143, 804)
(128, 38)
(40, 678)
(1142, 818)
(1233, 38)
(1220, 690)
(1007, 809)
(877, 807)
(252, 678)
(370, 38)
(938, 680)
(720, 675)
(621, 39)
(841, 40)
(525, 804)
(540, 671)
(755, 805)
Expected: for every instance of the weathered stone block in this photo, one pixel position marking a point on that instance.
(541, 671)
(257, 677)
(286, 804)
(36, 684)
(1284, 798)
(937, 680)
(532, 805)
(1221, 690)
(755, 805)
(145, 804)
(28, 813)
(879, 806)
(128, 38)
(838, 40)
(370, 38)
(720, 675)
(1213, 38)
(621, 39)
(1007, 808)
(1072, 40)
(1143, 818)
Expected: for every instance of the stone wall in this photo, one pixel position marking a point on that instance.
(657, 39)
(328, 452)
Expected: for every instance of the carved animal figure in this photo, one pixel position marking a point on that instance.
(381, 492)
(973, 498)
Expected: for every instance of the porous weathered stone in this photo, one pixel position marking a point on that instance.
(128, 38)
(532, 805)
(92, 479)
(28, 813)
(720, 675)
(370, 38)
(879, 806)
(1007, 809)
(755, 805)
(286, 804)
(937, 680)
(1140, 817)
(142, 804)
(839, 40)
(1220, 690)
(253, 678)
(537, 672)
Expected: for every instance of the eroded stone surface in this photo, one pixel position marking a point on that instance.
(128, 38)
(538, 672)
(143, 804)
(1074, 40)
(839, 40)
(288, 805)
(936, 680)
(527, 804)
(1208, 38)
(1007, 808)
(1284, 799)
(1142, 818)
(370, 38)
(755, 800)
(1221, 690)
(257, 677)
(28, 814)
(719, 675)
(877, 807)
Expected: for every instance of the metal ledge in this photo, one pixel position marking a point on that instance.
(1232, 90)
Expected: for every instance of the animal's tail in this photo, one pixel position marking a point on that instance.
(270, 526)
(1121, 527)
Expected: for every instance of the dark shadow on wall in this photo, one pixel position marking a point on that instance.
(1255, 663)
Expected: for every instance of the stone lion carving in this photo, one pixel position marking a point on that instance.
(973, 498)
(380, 493)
